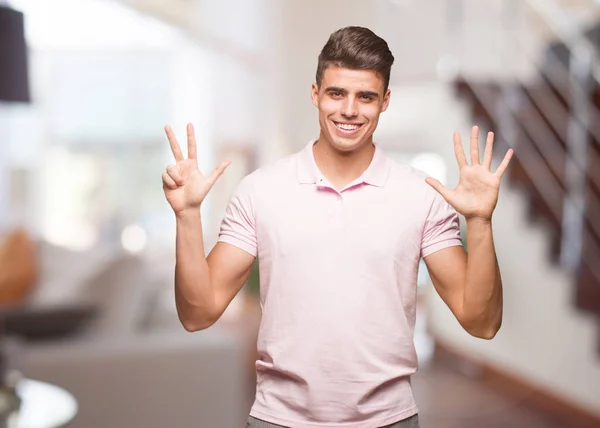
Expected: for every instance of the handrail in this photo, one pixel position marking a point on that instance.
(569, 34)
(552, 74)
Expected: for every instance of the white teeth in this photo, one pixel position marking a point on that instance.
(347, 127)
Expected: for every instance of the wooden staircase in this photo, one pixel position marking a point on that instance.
(534, 118)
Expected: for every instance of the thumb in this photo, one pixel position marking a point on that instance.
(214, 176)
(438, 187)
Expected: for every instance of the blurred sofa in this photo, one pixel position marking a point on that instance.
(130, 363)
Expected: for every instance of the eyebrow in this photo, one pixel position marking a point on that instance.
(345, 92)
(369, 93)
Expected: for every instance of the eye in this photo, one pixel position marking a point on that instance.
(366, 97)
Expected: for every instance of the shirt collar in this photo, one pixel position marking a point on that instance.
(376, 174)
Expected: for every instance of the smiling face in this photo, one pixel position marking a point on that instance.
(349, 103)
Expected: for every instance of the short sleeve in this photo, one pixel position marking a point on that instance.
(442, 227)
(238, 226)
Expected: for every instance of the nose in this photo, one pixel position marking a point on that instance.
(350, 108)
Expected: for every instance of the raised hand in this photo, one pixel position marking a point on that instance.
(184, 185)
(476, 194)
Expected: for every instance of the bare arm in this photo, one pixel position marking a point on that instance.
(470, 284)
(204, 286)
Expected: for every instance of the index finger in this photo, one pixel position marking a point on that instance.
(502, 167)
(459, 151)
(174, 144)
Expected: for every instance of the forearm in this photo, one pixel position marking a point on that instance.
(193, 293)
(482, 300)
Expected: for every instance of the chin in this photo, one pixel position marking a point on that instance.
(345, 145)
(348, 144)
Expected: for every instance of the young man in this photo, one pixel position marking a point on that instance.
(339, 229)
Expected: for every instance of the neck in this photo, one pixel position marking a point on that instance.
(342, 167)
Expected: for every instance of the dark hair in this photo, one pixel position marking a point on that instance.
(356, 48)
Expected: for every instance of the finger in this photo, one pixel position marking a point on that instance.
(174, 144)
(459, 151)
(168, 181)
(214, 176)
(502, 167)
(487, 155)
(474, 146)
(438, 187)
(191, 138)
(175, 174)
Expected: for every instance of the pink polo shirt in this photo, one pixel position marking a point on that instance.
(338, 288)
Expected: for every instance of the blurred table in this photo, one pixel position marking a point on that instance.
(43, 406)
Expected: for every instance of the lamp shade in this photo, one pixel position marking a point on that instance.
(14, 77)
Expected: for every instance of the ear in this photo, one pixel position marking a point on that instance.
(314, 94)
(386, 100)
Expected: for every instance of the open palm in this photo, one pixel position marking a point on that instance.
(184, 185)
(477, 191)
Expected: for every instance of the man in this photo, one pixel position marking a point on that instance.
(339, 229)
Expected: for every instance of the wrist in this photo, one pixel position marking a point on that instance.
(188, 214)
(478, 221)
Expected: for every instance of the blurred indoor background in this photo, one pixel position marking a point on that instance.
(90, 336)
